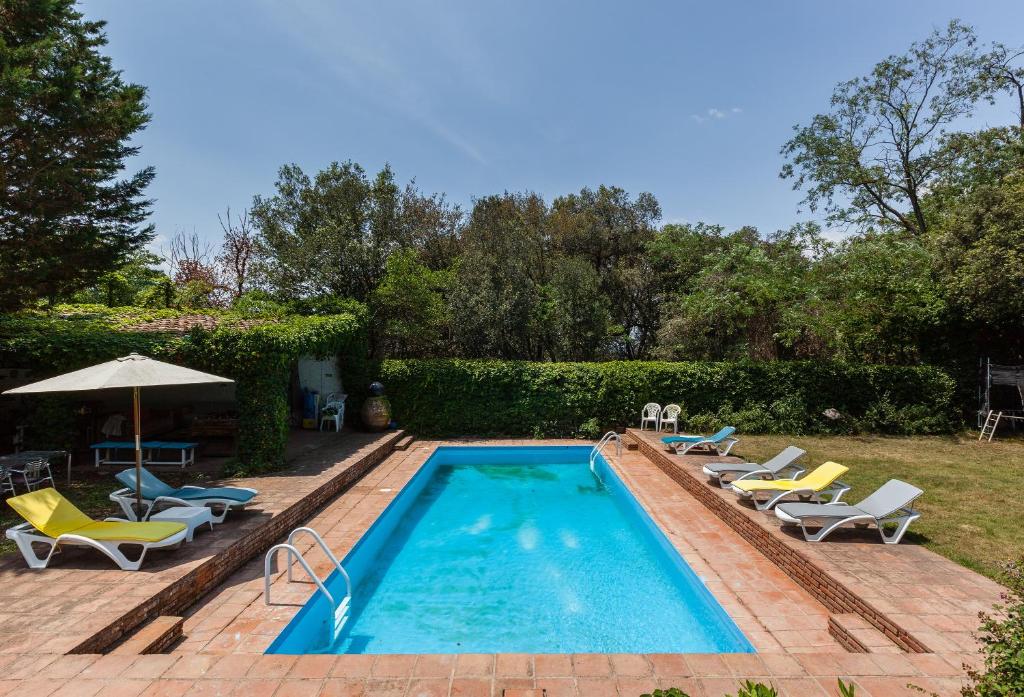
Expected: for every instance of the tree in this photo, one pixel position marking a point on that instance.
(66, 122)
(877, 299)
(576, 313)
(333, 233)
(1003, 69)
(136, 282)
(193, 272)
(980, 248)
(748, 298)
(497, 300)
(611, 230)
(871, 157)
(237, 250)
(409, 311)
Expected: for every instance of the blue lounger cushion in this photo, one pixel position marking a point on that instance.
(218, 492)
(153, 488)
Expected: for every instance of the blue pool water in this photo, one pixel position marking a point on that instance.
(516, 549)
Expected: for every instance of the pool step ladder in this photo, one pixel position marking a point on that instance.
(340, 610)
(605, 440)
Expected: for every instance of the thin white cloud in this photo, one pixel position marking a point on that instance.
(715, 114)
(368, 62)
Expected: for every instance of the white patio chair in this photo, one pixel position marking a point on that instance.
(651, 413)
(670, 416)
(6, 483)
(35, 473)
(335, 406)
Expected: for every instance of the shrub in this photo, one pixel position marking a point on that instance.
(1002, 638)
(485, 397)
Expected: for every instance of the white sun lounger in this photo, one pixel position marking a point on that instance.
(685, 443)
(55, 521)
(820, 482)
(156, 493)
(890, 504)
(771, 469)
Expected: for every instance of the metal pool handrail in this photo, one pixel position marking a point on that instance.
(607, 438)
(339, 611)
(305, 565)
(330, 555)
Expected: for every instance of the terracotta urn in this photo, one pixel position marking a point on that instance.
(376, 411)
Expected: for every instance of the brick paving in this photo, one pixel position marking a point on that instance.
(82, 602)
(467, 675)
(932, 601)
(227, 632)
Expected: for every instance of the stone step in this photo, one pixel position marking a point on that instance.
(404, 443)
(155, 637)
(857, 635)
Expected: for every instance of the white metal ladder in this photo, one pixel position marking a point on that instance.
(339, 610)
(607, 438)
(991, 423)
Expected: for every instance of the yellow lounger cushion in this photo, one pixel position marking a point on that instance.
(130, 532)
(53, 515)
(819, 479)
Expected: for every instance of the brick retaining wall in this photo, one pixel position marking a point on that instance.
(829, 591)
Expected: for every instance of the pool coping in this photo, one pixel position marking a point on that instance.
(781, 617)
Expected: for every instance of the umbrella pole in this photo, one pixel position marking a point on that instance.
(138, 449)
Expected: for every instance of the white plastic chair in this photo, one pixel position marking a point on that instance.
(670, 416)
(6, 483)
(651, 413)
(35, 473)
(336, 404)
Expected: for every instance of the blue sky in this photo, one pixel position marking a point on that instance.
(690, 101)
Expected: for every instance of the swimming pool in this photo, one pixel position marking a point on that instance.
(516, 549)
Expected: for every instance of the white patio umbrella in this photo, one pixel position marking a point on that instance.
(134, 371)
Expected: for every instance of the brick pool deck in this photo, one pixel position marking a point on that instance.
(82, 603)
(803, 631)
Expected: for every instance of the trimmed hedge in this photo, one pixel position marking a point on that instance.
(258, 358)
(444, 398)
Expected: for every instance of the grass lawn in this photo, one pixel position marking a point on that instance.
(972, 508)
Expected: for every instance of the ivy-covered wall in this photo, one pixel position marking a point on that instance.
(483, 397)
(258, 358)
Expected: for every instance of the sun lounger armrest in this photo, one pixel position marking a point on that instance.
(837, 489)
(171, 500)
(791, 472)
(20, 529)
(756, 474)
(126, 499)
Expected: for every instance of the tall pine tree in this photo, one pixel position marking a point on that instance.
(67, 213)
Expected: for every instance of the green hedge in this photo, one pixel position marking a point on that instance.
(258, 358)
(467, 397)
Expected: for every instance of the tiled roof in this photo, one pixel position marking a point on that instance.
(180, 325)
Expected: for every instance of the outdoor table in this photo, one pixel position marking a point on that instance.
(15, 462)
(106, 452)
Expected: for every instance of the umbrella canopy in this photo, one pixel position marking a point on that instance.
(132, 371)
